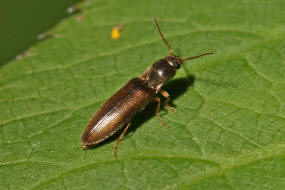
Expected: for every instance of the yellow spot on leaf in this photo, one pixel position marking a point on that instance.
(116, 32)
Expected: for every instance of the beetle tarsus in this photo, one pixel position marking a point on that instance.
(166, 95)
(157, 99)
(84, 146)
(119, 139)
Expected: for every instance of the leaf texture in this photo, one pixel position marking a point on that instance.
(229, 132)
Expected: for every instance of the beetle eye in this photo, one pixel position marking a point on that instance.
(176, 65)
(174, 61)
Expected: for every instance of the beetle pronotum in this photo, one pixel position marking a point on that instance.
(119, 110)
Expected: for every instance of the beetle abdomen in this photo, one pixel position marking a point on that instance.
(117, 111)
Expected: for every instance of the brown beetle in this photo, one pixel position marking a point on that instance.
(119, 110)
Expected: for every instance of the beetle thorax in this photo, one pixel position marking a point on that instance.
(161, 71)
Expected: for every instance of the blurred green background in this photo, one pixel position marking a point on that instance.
(22, 21)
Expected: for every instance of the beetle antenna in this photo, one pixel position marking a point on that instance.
(197, 56)
(161, 35)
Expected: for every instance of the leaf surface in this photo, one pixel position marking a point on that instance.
(229, 132)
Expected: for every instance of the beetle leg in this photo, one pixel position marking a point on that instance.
(120, 137)
(166, 95)
(157, 99)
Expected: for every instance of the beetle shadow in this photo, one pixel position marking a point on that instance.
(175, 88)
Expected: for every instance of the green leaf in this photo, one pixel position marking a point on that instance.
(229, 132)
